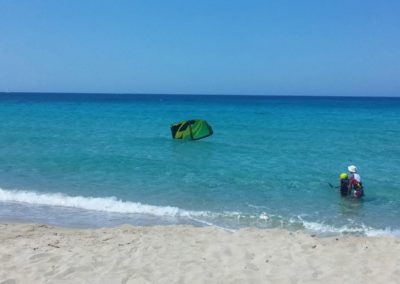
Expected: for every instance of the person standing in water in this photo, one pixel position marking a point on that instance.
(355, 182)
(344, 188)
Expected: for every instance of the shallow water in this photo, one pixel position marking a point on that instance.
(103, 160)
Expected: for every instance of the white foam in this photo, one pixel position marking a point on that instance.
(115, 205)
(329, 229)
(105, 204)
(264, 216)
(349, 229)
(385, 232)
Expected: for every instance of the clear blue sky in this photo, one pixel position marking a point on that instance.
(338, 47)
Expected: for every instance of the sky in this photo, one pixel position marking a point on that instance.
(309, 47)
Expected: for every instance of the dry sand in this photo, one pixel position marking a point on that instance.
(31, 253)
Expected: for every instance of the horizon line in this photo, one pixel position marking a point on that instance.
(195, 94)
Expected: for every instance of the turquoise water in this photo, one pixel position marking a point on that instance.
(101, 160)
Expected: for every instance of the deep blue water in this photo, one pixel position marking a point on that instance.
(105, 159)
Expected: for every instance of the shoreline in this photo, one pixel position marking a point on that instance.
(35, 253)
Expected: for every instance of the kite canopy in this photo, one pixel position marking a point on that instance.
(191, 130)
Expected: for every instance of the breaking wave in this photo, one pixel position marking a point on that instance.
(105, 204)
(225, 220)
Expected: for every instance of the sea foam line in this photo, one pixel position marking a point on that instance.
(361, 229)
(114, 205)
(105, 204)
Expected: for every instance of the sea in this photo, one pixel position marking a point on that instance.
(101, 160)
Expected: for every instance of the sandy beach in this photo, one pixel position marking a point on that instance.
(33, 253)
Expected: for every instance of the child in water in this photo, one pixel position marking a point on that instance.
(344, 187)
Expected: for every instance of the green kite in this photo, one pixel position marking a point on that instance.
(191, 130)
